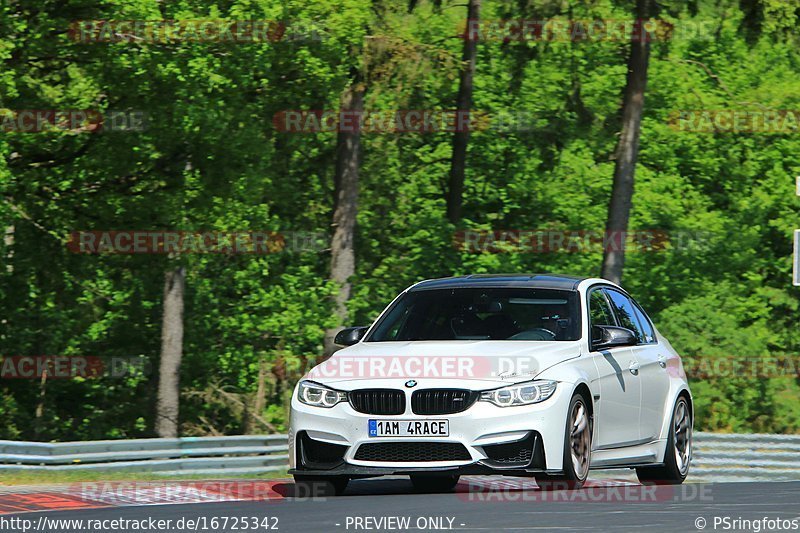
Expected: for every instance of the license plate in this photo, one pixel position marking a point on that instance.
(409, 428)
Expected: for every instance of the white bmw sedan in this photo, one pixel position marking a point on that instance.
(527, 375)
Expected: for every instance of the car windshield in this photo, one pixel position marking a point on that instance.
(522, 314)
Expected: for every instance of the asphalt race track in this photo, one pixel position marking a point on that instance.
(478, 505)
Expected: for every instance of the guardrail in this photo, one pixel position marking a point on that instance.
(717, 457)
(246, 454)
(745, 457)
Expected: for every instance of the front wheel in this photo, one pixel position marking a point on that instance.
(430, 484)
(678, 453)
(577, 449)
(319, 486)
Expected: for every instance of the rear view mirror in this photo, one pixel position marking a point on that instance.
(350, 336)
(611, 336)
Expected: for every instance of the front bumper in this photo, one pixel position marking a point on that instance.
(340, 431)
(526, 464)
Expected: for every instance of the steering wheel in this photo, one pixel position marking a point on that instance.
(535, 334)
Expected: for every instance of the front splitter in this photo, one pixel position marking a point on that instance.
(477, 468)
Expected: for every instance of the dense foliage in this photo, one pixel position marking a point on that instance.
(210, 158)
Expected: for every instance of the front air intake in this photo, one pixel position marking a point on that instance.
(412, 452)
(525, 453)
(317, 454)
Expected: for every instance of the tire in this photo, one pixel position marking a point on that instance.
(678, 453)
(319, 486)
(427, 483)
(577, 438)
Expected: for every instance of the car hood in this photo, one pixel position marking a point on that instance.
(470, 363)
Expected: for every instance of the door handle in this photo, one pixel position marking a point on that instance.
(634, 368)
(662, 361)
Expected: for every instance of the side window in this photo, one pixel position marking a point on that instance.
(626, 313)
(599, 311)
(647, 326)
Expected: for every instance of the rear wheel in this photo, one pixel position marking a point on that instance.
(429, 483)
(678, 453)
(319, 486)
(577, 449)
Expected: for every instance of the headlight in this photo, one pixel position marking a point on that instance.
(311, 393)
(520, 394)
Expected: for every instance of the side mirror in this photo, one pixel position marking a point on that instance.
(350, 336)
(611, 336)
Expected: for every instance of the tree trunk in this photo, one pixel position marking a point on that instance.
(8, 240)
(458, 163)
(167, 405)
(348, 151)
(259, 401)
(38, 426)
(619, 207)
